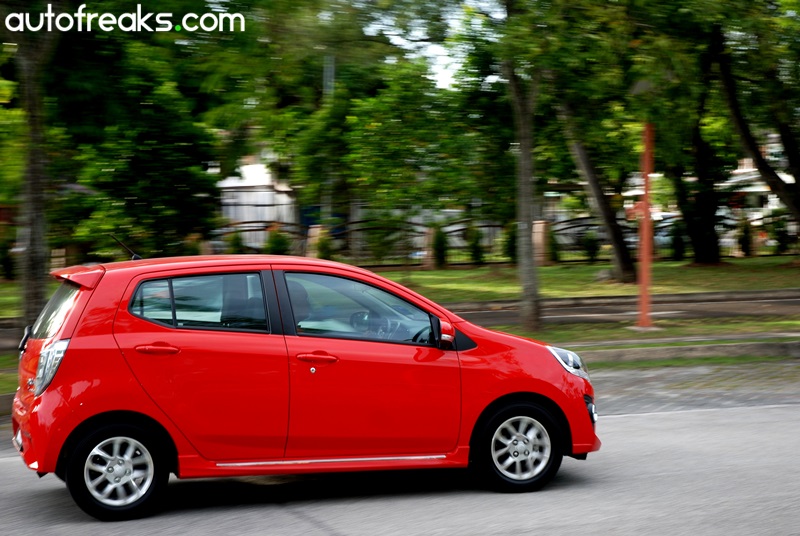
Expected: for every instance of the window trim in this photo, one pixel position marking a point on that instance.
(287, 313)
(266, 295)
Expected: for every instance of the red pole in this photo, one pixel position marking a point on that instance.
(646, 232)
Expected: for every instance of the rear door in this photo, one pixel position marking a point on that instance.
(208, 350)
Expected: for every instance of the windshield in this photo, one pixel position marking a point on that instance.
(55, 312)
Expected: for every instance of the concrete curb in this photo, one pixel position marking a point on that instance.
(788, 349)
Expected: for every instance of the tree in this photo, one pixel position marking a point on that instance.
(148, 171)
(33, 54)
(676, 87)
(406, 150)
(780, 113)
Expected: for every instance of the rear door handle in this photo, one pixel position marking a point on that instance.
(157, 349)
(318, 359)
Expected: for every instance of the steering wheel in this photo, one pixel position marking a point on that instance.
(424, 333)
(379, 326)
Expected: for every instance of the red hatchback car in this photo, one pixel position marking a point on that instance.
(258, 365)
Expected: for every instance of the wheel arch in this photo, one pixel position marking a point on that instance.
(117, 418)
(553, 409)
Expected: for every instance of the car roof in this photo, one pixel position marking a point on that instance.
(90, 275)
(200, 261)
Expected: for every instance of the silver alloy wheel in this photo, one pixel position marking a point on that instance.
(118, 471)
(521, 448)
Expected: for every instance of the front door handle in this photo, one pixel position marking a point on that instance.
(318, 358)
(157, 349)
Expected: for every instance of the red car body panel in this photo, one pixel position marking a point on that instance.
(243, 403)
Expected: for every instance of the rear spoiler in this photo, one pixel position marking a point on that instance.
(85, 276)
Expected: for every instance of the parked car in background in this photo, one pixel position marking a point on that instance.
(256, 365)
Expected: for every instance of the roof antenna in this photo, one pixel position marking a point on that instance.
(134, 256)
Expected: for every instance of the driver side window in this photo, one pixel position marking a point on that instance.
(330, 306)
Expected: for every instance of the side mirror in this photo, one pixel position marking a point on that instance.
(25, 336)
(443, 333)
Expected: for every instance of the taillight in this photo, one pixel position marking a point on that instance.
(49, 359)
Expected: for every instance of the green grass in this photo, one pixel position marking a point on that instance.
(8, 372)
(9, 361)
(11, 297)
(570, 280)
(8, 382)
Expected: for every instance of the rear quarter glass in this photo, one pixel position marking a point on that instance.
(56, 311)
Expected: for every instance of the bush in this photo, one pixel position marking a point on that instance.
(236, 244)
(325, 247)
(473, 237)
(510, 242)
(7, 261)
(278, 243)
(439, 247)
(384, 234)
(780, 234)
(591, 245)
(746, 238)
(552, 246)
(678, 242)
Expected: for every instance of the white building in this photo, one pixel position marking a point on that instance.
(255, 202)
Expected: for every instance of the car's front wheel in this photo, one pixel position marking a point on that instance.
(117, 473)
(520, 448)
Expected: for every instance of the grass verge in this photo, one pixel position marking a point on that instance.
(573, 280)
(714, 329)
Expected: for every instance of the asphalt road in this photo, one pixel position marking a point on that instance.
(698, 450)
(617, 312)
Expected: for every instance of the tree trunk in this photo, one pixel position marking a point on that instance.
(624, 268)
(33, 53)
(698, 209)
(789, 197)
(522, 101)
(698, 201)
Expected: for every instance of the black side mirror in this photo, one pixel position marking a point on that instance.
(444, 334)
(25, 336)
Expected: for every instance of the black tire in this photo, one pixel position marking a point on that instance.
(520, 449)
(117, 472)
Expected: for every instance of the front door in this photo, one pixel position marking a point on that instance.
(365, 379)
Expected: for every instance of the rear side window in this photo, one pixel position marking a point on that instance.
(216, 301)
(55, 312)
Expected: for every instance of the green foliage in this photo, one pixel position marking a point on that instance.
(552, 246)
(7, 260)
(746, 237)
(778, 231)
(149, 168)
(591, 245)
(236, 244)
(677, 234)
(384, 233)
(473, 236)
(407, 150)
(325, 246)
(278, 243)
(510, 241)
(439, 247)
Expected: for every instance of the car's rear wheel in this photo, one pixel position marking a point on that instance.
(520, 448)
(116, 473)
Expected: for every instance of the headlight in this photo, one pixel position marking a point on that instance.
(570, 361)
(49, 360)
